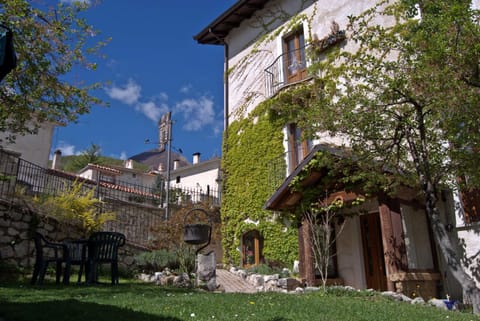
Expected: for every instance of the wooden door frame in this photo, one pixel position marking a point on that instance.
(258, 247)
(379, 281)
(300, 73)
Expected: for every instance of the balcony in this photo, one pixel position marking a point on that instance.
(291, 67)
(288, 68)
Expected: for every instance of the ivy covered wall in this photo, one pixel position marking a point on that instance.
(250, 146)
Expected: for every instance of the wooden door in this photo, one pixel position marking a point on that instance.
(295, 61)
(373, 255)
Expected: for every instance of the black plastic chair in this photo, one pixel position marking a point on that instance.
(103, 249)
(75, 254)
(46, 252)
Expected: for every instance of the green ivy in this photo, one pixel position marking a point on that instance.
(251, 145)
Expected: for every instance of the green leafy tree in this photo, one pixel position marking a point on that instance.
(50, 42)
(91, 155)
(407, 96)
(76, 206)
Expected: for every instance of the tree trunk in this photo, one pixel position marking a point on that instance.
(448, 250)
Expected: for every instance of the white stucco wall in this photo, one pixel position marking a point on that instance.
(247, 71)
(417, 240)
(33, 148)
(468, 236)
(129, 177)
(350, 261)
(198, 177)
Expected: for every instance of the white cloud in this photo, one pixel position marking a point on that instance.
(197, 113)
(151, 110)
(186, 89)
(123, 155)
(163, 96)
(128, 94)
(66, 148)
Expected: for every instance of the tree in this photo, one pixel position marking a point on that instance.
(92, 155)
(50, 42)
(321, 218)
(407, 96)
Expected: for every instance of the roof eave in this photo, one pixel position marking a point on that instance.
(284, 197)
(216, 31)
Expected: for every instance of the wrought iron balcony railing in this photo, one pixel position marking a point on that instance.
(278, 73)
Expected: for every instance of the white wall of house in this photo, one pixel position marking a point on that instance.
(247, 71)
(468, 235)
(126, 176)
(199, 176)
(350, 261)
(34, 148)
(137, 178)
(417, 242)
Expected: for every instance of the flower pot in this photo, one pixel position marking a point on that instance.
(196, 233)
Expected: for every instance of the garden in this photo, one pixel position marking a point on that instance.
(132, 300)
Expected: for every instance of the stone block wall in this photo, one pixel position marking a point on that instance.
(18, 223)
(417, 284)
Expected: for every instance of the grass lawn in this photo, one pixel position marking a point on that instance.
(145, 302)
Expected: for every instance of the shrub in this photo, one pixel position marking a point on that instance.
(263, 269)
(156, 261)
(180, 260)
(186, 259)
(76, 206)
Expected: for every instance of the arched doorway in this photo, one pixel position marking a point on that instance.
(252, 248)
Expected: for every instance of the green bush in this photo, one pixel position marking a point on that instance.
(150, 262)
(186, 259)
(181, 260)
(264, 269)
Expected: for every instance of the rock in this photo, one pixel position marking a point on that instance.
(289, 284)
(270, 278)
(405, 298)
(299, 290)
(391, 294)
(255, 279)
(144, 277)
(418, 300)
(21, 249)
(438, 303)
(242, 274)
(181, 281)
(311, 289)
(15, 216)
(212, 284)
(167, 280)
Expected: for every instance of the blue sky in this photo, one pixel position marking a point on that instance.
(153, 65)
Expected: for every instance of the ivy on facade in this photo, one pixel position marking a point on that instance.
(252, 144)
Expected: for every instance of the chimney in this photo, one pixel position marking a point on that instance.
(161, 167)
(196, 158)
(129, 164)
(57, 155)
(176, 164)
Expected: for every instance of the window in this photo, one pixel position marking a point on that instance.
(298, 146)
(294, 53)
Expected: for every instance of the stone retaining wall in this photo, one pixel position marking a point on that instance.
(18, 223)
